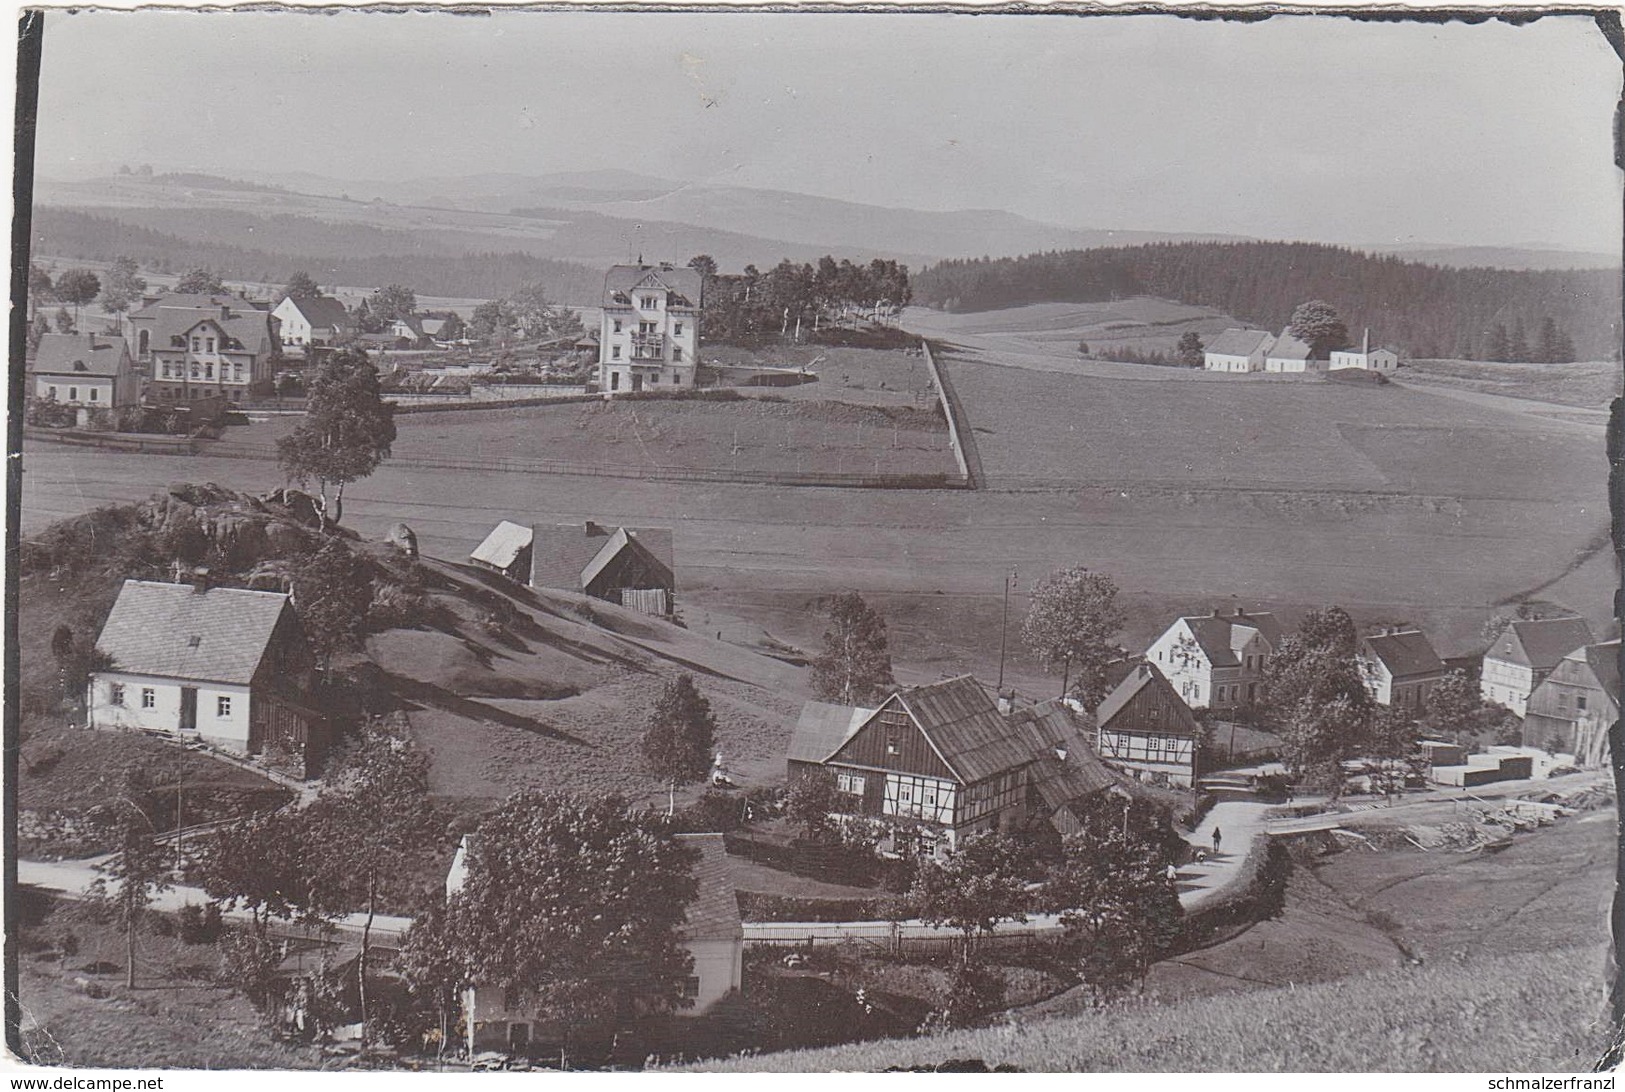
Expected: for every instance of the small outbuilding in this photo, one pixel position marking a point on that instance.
(631, 566)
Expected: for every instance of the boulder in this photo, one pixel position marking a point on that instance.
(403, 539)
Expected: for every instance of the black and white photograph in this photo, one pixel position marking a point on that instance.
(804, 541)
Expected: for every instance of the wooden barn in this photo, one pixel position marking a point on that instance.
(631, 566)
(505, 550)
(946, 757)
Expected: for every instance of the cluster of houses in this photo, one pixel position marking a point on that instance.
(1239, 350)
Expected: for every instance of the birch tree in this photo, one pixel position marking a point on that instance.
(855, 666)
(347, 431)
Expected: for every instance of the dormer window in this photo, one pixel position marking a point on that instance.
(79, 366)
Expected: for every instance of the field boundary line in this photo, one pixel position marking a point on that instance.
(953, 412)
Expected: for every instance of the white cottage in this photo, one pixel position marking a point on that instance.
(1287, 355)
(1216, 661)
(312, 320)
(1400, 668)
(1365, 358)
(88, 371)
(1238, 351)
(227, 666)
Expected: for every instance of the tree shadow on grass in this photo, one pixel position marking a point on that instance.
(432, 696)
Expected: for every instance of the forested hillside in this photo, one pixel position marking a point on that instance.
(343, 254)
(1424, 310)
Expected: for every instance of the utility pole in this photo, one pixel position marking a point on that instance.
(1004, 624)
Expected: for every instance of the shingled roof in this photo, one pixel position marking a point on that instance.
(1604, 661)
(1405, 653)
(685, 285)
(1144, 675)
(1235, 342)
(975, 739)
(178, 632)
(79, 354)
(822, 728)
(1539, 642)
(714, 913)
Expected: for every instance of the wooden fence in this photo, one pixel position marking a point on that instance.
(140, 442)
(950, 412)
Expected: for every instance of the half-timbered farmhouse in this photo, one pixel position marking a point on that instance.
(947, 758)
(227, 666)
(1146, 730)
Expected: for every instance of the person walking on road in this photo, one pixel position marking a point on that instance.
(1215, 840)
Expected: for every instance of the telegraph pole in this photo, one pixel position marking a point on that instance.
(1004, 624)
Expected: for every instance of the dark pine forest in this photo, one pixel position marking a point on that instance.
(1424, 310)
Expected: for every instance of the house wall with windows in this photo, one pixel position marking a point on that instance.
(221, 711)
(1194, 675)
(202, 365)
(650, 333)
(1507, 684)
(89, 391)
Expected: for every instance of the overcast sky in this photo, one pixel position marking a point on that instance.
(1298, 127)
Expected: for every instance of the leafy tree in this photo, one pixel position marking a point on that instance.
(538, 318)
(64, 321)
(332, 591)
(1119, 911)
(201, 281)
(493, 319)
(855, 666)
(680, 737)
(572, 908)
(138, 867)
(979, 885)
(301, 286)
(40, 288)
(259, 863)
(1190, 349)
(1314, 691)
(77, 287)
(1318, 325)
(370, 820)
(346, 433)
(124, 286)
(38, 327)
(454, 327)
(1083, 348)
(810, 800)
(391, 302)
(1394, 743)
(1071, 620)
(704, 264)
(974, 991)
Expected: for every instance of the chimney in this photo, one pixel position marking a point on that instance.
(200, 580)
(1007, 702)
(594, 529)
(1241, 612)
(1365, 342)
(225, 311)
(1215, 612)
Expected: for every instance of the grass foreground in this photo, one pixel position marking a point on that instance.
(1536, 1012)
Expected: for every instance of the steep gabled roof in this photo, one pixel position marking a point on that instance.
(502, 546)
(563, 552)
(714, 913)
(1221, 635)
(1235, 342)
(1604, 661)
(685, 285)
(79, 354)
(974, 738)
(1146, 676)
(322, 310)
(175, 631)
(1539, 643)
(1405, 653)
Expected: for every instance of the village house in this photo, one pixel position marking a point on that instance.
(1365, 358)
(946, 762)
(1287, 354)
(227, 666)
(650, 333)
(1216, 661)
(1524, 654)
(313, 321)
(1146, 730)
(631, 566)
(87, 371)
(1574, 706)
(202, 346)
(1237, 351)
(712, 934)
(1400, 668)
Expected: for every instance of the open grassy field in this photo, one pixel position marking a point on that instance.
(1143, 323)
(1583, 383)
(1403, 961)
(1399, 504)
